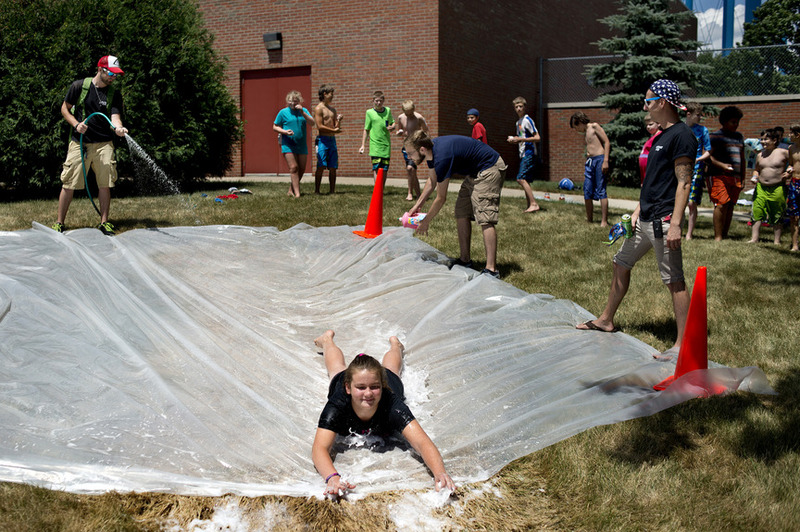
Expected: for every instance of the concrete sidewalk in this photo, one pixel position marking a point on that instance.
(510, 190)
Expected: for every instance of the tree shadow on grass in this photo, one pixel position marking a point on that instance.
(766, 427)
(767, 440)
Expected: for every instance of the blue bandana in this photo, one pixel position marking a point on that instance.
(669, 91)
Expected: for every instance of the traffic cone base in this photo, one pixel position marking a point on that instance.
(374, 225)
(694, 345)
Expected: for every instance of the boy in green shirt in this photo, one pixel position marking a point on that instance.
(378, 124)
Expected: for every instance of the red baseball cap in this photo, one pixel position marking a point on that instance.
(111, 63)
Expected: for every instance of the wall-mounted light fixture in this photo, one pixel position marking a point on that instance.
(273, 41)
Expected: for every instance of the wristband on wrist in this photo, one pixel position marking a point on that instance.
(331, 476)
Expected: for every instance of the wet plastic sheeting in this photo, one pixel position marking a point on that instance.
(182, 359)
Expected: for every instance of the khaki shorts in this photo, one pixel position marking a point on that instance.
(479, 197)
(670, 261)
(100, 157)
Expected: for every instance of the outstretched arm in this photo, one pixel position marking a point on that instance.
(321, 455)
(436, 206)
(119, 129)
(422, 443)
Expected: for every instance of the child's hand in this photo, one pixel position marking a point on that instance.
(337, 487)
(442, 481)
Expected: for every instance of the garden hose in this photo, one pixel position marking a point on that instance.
(83, 161)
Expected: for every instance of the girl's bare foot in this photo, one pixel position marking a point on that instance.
(533, 208)
(394, 342)
(324, 338)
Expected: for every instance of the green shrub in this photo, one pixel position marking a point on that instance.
(176, 104)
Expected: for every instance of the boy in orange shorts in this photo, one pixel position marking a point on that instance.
(726, 170)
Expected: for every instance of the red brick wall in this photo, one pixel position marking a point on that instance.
(489, 55)
(564, 148)
(448, 56)
(357, 47)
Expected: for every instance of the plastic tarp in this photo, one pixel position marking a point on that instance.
(182, 360)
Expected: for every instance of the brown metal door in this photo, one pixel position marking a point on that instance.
(263, 95)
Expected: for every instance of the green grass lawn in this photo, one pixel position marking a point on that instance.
(724, 463)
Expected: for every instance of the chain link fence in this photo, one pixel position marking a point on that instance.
(728, 72)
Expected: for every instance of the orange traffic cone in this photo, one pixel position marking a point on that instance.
(694, 346)
(374, 225)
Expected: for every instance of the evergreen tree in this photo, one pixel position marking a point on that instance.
(648, 39)
(177, 106)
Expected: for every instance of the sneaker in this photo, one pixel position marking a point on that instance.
(107, 228)
(487, 271)
(59, 227)
(459, 262)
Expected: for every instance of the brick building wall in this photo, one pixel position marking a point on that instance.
(447, 55)
(489, 55)
(566, 147)
(357, 47)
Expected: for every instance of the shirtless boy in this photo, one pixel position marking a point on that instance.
(598, 149)
(328, 125)
(793, 188)
(770, 174)
(409, 122)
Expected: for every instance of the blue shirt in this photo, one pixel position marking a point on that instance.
(456, 154)
(296, 121)
(703, 142)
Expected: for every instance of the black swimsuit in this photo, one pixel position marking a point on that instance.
(392, 415)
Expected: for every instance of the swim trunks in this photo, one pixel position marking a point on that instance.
(724, 189)
(769, 204)
(379, 162)
(793, 197)
(409, 162)
(594, 181)
(327, 152)
(527, 168)
(696, 192)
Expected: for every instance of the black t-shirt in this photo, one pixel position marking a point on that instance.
(392, 415)
(657, 198)
(96, 100)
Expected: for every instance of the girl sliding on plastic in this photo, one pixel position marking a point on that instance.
(367, 397)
